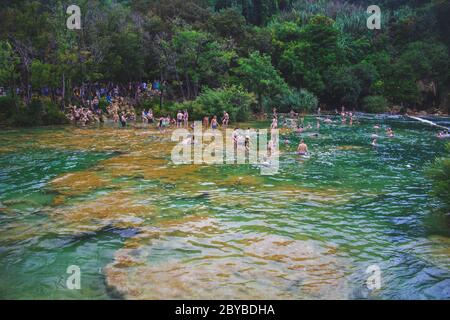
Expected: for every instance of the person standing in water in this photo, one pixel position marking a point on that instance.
(179, 119)
(186, 118)
(214, 123)
(274, 123)
(302, 148)
(226, 119)
(123, 120)
(270, 148)
(206, 122)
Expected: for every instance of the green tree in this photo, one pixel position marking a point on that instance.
(259, 76)
(8, 67)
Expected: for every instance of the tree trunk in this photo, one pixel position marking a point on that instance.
(261, 108)
(162, 91)
(188, 85)
(63, 92)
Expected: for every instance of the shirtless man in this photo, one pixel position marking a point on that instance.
(123, 120)
(302, 148)
(274, 123)
(206, 122)
(292, 114)
(226, 119)
(179, 119)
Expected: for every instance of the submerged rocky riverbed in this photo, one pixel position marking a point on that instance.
(110, 201)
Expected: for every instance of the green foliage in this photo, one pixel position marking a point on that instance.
(439, 173)
(273, 48)
(43, 75)
(8, 64)
(375, 104)
(344, 86)
(298, 100)
(39, 112)
(8, 106)
(259, 76)
(233, 99)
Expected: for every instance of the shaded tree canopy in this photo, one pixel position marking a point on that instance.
(269, 47)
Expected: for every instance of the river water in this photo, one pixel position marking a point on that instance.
(110, 201)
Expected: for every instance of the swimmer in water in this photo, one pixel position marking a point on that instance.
(390, 133)
(302, 148)
(443, 134)
(374, 142)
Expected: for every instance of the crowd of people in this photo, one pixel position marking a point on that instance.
(118, 109)
(122, 112)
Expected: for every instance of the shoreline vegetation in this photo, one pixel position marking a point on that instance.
(211, 57)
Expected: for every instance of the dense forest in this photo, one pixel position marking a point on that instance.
(243, 55)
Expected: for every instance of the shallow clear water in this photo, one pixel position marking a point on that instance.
(110, 201)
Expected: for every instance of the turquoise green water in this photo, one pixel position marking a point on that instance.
(109, 201)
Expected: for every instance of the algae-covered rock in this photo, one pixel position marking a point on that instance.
(227, 266)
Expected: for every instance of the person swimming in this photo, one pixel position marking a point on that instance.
(443, 135)
(374, 141)
(390, 133)
(302, 149)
